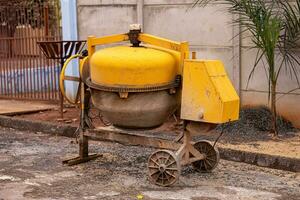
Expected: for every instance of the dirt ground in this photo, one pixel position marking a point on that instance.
(30, 168)
(287, 144)
(289, 147)
(70, 116)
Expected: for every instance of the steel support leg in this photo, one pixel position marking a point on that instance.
(84, 124)
(187, 154)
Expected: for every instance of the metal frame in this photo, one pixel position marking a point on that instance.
(187, 149)
(183, 153)
(186, 153)
(181, 47)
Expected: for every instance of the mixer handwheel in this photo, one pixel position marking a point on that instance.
(164, 168)
(211, 156)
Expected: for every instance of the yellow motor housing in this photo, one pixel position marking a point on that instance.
(207, 93)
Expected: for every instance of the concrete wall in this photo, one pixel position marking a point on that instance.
(207, 29)
(256, 92)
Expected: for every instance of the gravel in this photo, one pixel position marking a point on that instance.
(30, 166)
(255, 124)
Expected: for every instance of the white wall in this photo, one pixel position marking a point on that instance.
(256, 92)
(207, 29)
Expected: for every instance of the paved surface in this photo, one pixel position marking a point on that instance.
(13, 107)
(30, 168)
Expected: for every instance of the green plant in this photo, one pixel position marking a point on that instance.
(274, 27)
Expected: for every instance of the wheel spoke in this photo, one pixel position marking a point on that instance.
(167, 159)
(170, 174)
(154, 161)
(156, 179)
(174, 161)
(163, 180)
(201, 149)
(210, 149)
(201, 164)
(154, 173)
(205, 167)
(211, 159)
(211, 154)
(208, 163)
(153, 167)
(205, 149)
(171, 169)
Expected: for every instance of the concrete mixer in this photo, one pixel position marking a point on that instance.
(137, 85)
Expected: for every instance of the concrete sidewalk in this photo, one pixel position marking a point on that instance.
(15, 107)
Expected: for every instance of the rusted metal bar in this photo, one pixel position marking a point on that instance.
(33, 65)
(46, 19)
(61, 98)
(22, 66)
(130, 138)
(46, 68)
(29, 66)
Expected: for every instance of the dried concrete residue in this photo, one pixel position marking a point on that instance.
(18, 149)
(48, 179)
(8, 178)
(108, 194)
(221, 193)
(13, 191)
(101, 195)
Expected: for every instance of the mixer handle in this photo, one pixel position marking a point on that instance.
(63, 77)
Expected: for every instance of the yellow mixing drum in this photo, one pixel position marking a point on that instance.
(134, 86)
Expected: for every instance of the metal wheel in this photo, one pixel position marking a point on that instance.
(211, 156)
(164, 168)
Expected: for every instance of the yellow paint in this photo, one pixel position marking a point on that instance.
(161, 42)
(110, 39)
(93, 41)
(176, 55)
(132, 66)
(181, 47)
(207, 93)
(178, 49)
(81, 64)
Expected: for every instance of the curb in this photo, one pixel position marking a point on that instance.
(37, 126)
(259, 159)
